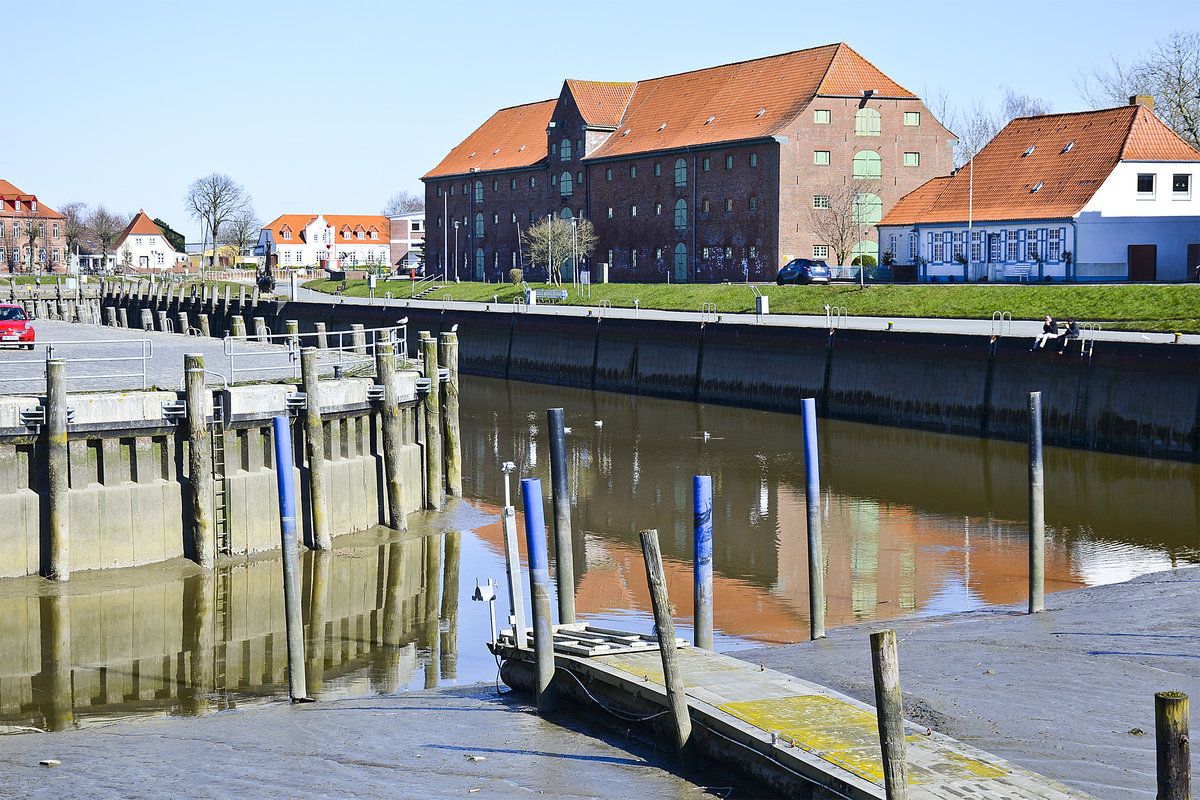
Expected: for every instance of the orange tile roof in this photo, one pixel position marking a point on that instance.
(354, 221)
(10, 193)
(601, 103)
(140, 225)
(512, 138)
(297, 223)
(1005, 176)
(732, 102)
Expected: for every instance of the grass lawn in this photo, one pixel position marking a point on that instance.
(1148, 307)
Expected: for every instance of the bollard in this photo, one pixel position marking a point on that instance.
(1037, 509)
(512, 565)
(1172, 747)
(162, 321)
(122, 318)
(433, 427)
(58, 566)
(261, 331)
(560, 492)
(702, 564)
(284, 463)
(322, 338)
(385, 371)
(358, 339)
(889, 710)
(816, 567)
(237, 326)
(292, 328)
(241, 298)
(314, 446)
(200, 474)
(110, 317)
(181, 323)
(452, 441)
(227, 297)
(205, 328)
(539, 588)
(147, 319)
(676, 695)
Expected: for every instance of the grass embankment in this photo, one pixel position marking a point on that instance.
(1148, 307)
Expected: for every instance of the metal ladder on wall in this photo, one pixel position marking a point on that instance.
(220, 482)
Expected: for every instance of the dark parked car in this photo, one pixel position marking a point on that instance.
(803, 270)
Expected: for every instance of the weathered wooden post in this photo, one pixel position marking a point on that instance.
(122, 318)
(292, 328)
(261, 331)
(665, 624)
(200, 474)
(237, 326)
(182, 323)
(816, 560)
(205, 327)
(561, 498)
(284, 462)
(1173, 748)
(358, 339)
(433, 426)
(389, 414)
(1037, 509)
(110, 316)
(58, 567)
(162, 321)
(889, 710)
(448, 359)
(539, 588)
(702, 570)
(314, 448)
(322, 337)
(147, 319)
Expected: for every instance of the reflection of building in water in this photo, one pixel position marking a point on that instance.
(130, 642)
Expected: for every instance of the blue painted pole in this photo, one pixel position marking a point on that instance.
(539, 592)
(816, 566)
(284, 462)
(702, 565)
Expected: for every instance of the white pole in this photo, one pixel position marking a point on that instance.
(970, 213)
(445, 232)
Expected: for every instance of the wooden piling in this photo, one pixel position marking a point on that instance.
(561, 500)
(539, 591)
(58, 563)
(889, 710)
(205, 327)
(314, 448)
(665, 625)
(162, 321)
(1037, 509)
(452, 442)
(292, 328)
(122, 318)
(182, 323)
(261, 331)
(237, 326)
(1173, 749)
(322, 337)
(200, 474)
(358, 339)
(433, 427)
(147, 319)
(110, 317)
(389, 414)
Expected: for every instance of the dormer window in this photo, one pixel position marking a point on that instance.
(287, 235)
(1037, 186)
(33, 206)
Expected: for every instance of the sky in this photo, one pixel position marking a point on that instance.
(334, 107)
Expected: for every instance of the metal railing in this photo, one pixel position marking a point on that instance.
(350, 351)
(603, 307)
(1001, 323)
(1087, 338)
(835, 316)
(708, 312)
(80, 367)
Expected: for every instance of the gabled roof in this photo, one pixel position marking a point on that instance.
(601, 103)
(296, 223)
(512, 138)
(140, 225)
(1071, 156)
(9, 194)
(733, 102)
(340, 222)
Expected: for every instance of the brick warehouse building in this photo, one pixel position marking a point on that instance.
(708, 175)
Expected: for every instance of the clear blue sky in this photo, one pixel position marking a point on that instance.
(333, 107)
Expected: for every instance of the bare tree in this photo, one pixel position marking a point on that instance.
(105, 226)
(1170, 73)
(841, 219)
(214, 200)
(403, 202)
(74, 225)
(553, 243)
(976, 125)
(32, 229)
(242, 230)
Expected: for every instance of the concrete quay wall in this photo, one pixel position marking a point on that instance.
(1132, 398)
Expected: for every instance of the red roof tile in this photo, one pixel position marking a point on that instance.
(600, 103)
(512, 138)
(9, 194)
(140, 225)
(340, 222)
(1071, 156)
(850, 74)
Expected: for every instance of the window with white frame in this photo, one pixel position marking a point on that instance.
(820, 251)
(752, 252)
(912, 159)
(912, 117)
(161, 259)
(866, 122)
(939, 249)
(821, 116)
(728, 253)
(958, 246)
(658, 209)
(633, 211)
(976, 246)
(1181, 187)
(512, 183)
(1145, 185)
(820, 201)
(821, 158)
(1054, 244)
(137, 240)
(728, 204)
(56, 225)
(1031, 245)
(1012, 250)
(495, 221)
(754, 159)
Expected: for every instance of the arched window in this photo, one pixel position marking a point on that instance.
(564, 152)
(680, 172)
(870, 209)
(479, 264)
(868, 164)
(478, 191)
(680, 214)
(566, 214)
(479, 224)
(564, 184)
(680, 263)
(866, 122)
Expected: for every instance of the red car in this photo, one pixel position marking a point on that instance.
(15, 327)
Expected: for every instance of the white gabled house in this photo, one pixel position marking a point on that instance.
(1089, 196)
(144, 246)
(308, 240)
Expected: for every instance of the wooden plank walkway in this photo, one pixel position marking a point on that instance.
(804, 729)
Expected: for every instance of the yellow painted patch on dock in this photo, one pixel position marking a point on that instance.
(649, 665)
(848, 736)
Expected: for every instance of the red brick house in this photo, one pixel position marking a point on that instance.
(17, 210)
(708, 175)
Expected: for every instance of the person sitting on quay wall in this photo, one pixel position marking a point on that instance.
(1049, 331)
(1071, 332)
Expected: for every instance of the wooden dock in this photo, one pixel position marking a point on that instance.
(799, 738)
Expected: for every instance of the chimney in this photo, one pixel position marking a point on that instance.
(1142, 100)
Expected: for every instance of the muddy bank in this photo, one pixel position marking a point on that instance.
(1066, 693)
